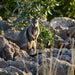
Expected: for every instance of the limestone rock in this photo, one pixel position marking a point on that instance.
(59, 64)
(55, 67)
(11, 34)
(3, 41)
(12, 71)
(9, 50)
(4, 25)
(63, 26)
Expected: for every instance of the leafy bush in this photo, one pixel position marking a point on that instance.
(45, 38)
(28, 8)
(51, 8)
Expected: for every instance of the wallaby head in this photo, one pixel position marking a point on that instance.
(34, 22)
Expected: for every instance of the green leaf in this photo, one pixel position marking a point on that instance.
(49, 12)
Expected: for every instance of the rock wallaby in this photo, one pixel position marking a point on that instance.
(27, 39)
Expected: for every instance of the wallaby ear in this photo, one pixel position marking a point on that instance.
(31, 18)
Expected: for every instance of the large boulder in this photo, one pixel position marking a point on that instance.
(50, 61)
(63, 26)
(3, 41)
(3, 63)
(9, 50)
(56, 61)
(67, 43)
(4, 25)
(11, 34)
(13, 71)
(64, 30)
(53, 66)
(62, 54)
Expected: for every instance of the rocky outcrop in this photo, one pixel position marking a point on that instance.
(55, 67)
(13, 71)
(59, 63)
(63, 26)
(64, 30)
(9, 50)
(11, 34)
(4, 25)
(14, 61)
(55, 61)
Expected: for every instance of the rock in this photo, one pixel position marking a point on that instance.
(40, 57)
(56, 61)
(58, 42)
(67, 43)
(3, 63)
(12, 71)
(31, 66)
(59, 63)
(65, 58)
(62, 54)
(3, 42)
(11, 34)
(63, 27)
(8, 73)
(4, 25)
(55, 67)
(9, 50)
(64, 30)
(66, 51)
(19, 63)
(24, 65)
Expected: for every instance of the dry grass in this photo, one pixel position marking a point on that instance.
(53, 68)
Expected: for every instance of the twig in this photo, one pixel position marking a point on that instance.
(1, 6)
(18, 7)
(23, 19)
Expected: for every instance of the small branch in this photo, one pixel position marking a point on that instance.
(1, 6)
(23, 19)
(18, 7)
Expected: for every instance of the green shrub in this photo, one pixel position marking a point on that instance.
(45, 38)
